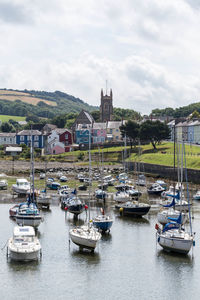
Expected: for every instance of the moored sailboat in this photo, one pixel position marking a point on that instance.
(86, 236)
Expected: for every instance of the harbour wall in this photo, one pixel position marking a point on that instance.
(160, 171)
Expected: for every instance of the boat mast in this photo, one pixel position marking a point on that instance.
(89, 169)
(32, 166)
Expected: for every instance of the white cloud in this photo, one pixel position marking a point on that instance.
(147, 50)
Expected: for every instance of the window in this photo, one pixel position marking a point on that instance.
(10, 139)
(21, 138)
(36, 138)
(4, 139)
(110, 130)
(117, 130)
(28, 137)
(117, 137)
(66, 143)
(66, 136)
(36, 144)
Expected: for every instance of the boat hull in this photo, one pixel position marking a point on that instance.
(103, 225)
(175, 244)
(33, 221)
(76, 209)
(133, 211)
(24, 256)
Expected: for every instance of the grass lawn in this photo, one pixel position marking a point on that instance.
(6, 118)
(165, 155)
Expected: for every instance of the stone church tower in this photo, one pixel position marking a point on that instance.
(106, 107)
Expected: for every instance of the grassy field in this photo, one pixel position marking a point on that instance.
(164, 155)
(24, 97)
(6, 118)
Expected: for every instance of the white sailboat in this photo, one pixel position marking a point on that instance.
(173, 237)
(86, 236)
(24, 245)
(28, 213)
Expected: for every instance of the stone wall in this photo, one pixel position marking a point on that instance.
(166, 172)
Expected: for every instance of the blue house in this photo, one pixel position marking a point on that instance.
(82, 134)
(24, 137)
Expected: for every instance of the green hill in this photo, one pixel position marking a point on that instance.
(180, 112)
(40, 103)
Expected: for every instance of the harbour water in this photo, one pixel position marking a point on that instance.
(127, 264)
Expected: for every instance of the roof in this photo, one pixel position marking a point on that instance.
(13, 149)
(61, 130)
(115, 124)
(171, 123)
(10, 134)
(99, 126)
(23, 231)
(29, 132)
(89, 116)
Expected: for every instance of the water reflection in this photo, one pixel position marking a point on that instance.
(106, 237)
(174, 258)
(86, 256)
(133, 220)
(23, 266)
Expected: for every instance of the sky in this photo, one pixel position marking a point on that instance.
(147, 50)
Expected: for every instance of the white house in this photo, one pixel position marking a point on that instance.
(7, 138)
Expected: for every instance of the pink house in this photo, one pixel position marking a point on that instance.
(98, 133)
(59, 141)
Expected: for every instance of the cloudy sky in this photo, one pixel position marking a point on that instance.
(148, 50)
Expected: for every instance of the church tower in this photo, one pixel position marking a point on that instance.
(106, 107)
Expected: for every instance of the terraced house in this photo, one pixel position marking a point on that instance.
(24, 137)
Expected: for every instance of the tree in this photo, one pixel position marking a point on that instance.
(59, 121)
(32, 118)
(154, 132)
(195, 115)
(96, 115)
(131, 130)
(6, 127)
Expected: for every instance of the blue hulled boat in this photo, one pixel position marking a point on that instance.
(103, 222)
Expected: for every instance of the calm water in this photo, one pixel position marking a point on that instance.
(127, 264)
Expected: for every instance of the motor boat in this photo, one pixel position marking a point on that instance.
(197, 195)
(133, 208)
(53, 185)
(103, 186)
(134, 193)
(63, 178)
(100, 194)
(3, 184)
(162, 183)
(21, 187)
(44, 199)
(86, 237)
(155, 189)
(123, 187)
(28, 214)
(122, 177)
(82, 187)
(24, 245)
(42, 175)
(121, 197)
(109, 180)
(141, 180)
